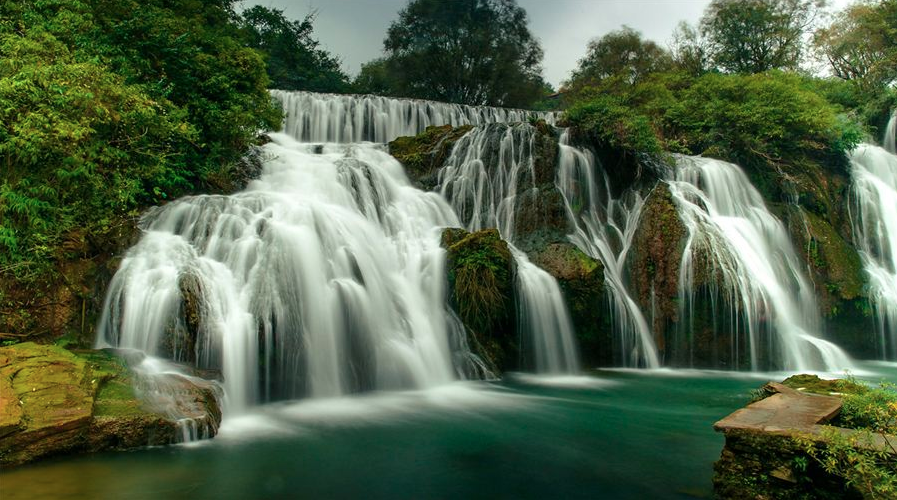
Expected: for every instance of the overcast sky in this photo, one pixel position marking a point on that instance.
(353, 30)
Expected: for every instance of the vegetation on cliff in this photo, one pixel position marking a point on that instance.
(109, 106)
(481, 274)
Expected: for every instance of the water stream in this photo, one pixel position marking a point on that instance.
(484, 179)
(757, 282)
(323, 277)
(873, 212)
(604, 228)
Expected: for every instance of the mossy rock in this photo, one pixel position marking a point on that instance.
(655, 261)
(422, 155)
(812, 383)
(481, 273)
(56, 401)
(581, 279)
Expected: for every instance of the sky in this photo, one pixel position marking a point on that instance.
(353, 30)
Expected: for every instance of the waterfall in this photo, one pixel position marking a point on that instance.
(487, 172)
(324, 277)
(890, 139)
(604, 228)
(315, 117)
(756, 279)
(874, 219)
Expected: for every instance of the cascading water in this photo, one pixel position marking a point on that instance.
(488, 171)
(323, 277)
(890, 139)
(873, 212)
(604, 228)
(314, 117)
(756, 280)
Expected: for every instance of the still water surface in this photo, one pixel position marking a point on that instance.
(614, 434)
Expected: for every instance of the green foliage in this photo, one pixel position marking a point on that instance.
(859, 44)
(773, 116)
(607, 120)
(753, 36)
(294, 61)
(620, 55)
(866, 464)
(871, 408)
(477, 52)
(481, 271)
(110, 105)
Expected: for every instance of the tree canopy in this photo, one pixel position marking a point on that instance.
(860, 44)
(622, 55)
(752, 36)
(294, 60)
(107, 106)
(477, 52)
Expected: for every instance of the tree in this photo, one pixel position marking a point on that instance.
(689, 50)
(294, 61)
(860, 44)
(620, 55)
(375, 78)
(477, 52)
(753, 36)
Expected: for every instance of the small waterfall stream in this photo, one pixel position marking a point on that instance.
(874, 218)
(758, 282)
(889, 142)
(604, 228)
(483, 178)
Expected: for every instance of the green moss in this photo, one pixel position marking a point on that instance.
(424, 153)
(816, 385)
(481, 272)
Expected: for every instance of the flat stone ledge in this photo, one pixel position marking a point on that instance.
(789, 412)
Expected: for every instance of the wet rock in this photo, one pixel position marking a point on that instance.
(423, 154)
(655, 260)
(56, 401)
(481, 273)
(581, 279)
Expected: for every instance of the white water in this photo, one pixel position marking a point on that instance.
(873, 212)
(315, 117)
(483, 178)
(604, 228)
(769, 303)
(890, 139)
(323, 277)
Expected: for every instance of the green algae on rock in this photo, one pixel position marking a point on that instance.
(481, 275)
(56, 402)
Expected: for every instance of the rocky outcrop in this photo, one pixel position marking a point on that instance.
(481, 273)
(581, 279)
(655, 260)
(54, 401)
(837, 273)
(765, 455)
(423, 154)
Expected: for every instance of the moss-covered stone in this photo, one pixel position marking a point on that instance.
(56, 401)
(581, 279)
(481, 273)
(423, 154)
(655, 260)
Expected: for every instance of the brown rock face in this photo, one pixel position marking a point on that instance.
(581, 279)
(481, 273)
(55, 402)
(655, 261)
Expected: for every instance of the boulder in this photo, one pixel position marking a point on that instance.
(56, 402)
(481, 273)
